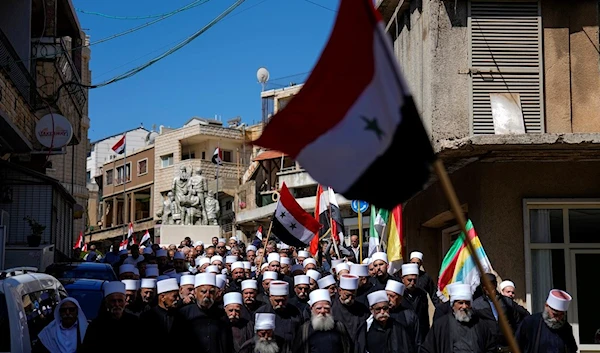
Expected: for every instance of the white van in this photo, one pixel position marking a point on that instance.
(27, 302)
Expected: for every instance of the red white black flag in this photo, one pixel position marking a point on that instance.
(291, 224)
(216, 158)
(119, 147)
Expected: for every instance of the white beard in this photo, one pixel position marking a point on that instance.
(551, 322)
(322, 322)
(463, 315)
(265, 346)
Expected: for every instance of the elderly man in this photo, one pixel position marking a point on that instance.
(364, 285)
(328, 282)
(461, 330)
(415, 297)
(107, 329)
(287, 317)
(301, 289)
(402, 314)
(134, 303)
(148, 293)
(379, 261)
(202, 325)
(322, 333)
(344, 306)
(221, 247)
(186, 290)
(507, 289)
(314, 277)
(549, 330)
(249, 293)
(238, 274)
(66, 332)
(241, 329)
(424, 281)
(265, 340)
(380, 333)
(159, 320)
(266, 278)
(274, 265)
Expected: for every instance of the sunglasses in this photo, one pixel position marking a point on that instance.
(67, 310)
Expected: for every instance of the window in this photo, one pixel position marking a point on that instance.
(124, 177)
(142, 166)
(203, 154)
(187, 155)
(109, 177)
(39, 310)
(88, 176)
(166, 160)
(227, 156)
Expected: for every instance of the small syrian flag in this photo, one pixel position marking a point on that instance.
(119, 147)
(259, 232)
(79, 242)
(123, 245)
(84, 249)
(373, 107)
(216, 158)
(146, 238)
(130, 236)
(291, 224)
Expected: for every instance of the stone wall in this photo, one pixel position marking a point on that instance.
(16, 108)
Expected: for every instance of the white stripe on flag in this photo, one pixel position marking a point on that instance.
(293, 226)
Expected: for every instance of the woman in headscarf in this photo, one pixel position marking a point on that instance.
(66, 332)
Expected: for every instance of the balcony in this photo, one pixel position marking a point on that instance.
(295, 177)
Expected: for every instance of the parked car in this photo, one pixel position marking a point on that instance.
(88, 293)
(27, 302)
(65, 271)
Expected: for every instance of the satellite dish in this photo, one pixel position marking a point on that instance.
(262, 75)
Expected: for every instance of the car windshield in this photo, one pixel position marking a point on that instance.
(103, 274)
(89, 300)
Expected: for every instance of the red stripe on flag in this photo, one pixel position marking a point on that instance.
(289, 202)
(320, 104)
(314, 243)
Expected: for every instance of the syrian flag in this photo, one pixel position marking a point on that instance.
(216, 158)
(259, 232)
(337, 222)
(84, 249)
(321, 215)
(123, 245)
(146, 239)
(373, 109)
(119, 147)
(79, 242)
(130, 235)
(291, 224)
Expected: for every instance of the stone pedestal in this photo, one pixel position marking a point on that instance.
(174, 234)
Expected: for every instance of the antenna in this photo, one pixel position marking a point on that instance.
(263, 76)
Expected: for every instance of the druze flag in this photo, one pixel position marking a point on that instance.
(291, 224)
(353, 119)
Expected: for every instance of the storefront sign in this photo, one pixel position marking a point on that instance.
(54, 131)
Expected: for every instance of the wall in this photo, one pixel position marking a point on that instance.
(495, 200)
(136, 179)
(102, 150)
(16, 110)
(15, 22)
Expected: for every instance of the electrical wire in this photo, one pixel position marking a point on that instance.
(321, 6)
(193, 4)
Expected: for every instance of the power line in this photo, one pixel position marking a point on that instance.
(321, 6)
(193, 4)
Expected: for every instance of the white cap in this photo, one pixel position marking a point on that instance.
(301, 279)
(416, 254)
(211, 269)
(198, 243)
(161, 253)
(303, 253)
(178, 256)
(559, 300)
(222, 240)
(450, 287)
(285, 261)
(147, 251)
(284, 246)
(341, 267)
(123, 252)
(315, 275)
(297, 267)
(167, 285)
(230, 259)
(126, 268)
(395, 286)
(379, 296)
(264, 321)
(251, 248)
(113, 287)
(410, 269)
(249, 284)
(221, 281)
(326, 282)
(216, 258)
(204, 260)
(366, 261)
(319, 295)
(236, 265)
(263, 266)
(279, 288)
(205, 279)
(247, 265)
(336, 262)
(232, 298)
(309, 261)
(349, 282)
(273, 257)
(187, 279)
(233, 238)
(379, 256)
(505, 284)
(359, 270)
(148, 283)
(151, 266)
(151, 272)
(461, 292)
(270, 275)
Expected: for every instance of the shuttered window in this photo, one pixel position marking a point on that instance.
(505, 56)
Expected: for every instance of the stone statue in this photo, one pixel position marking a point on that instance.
(199, 185)
(193, 213)
(180, 189)
(212, 209)
(166, 214)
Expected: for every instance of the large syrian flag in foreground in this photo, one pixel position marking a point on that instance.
(291, 224)
(354, 119)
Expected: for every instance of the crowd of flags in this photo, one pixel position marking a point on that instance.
(125, 243)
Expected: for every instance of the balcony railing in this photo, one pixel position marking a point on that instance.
(13, 66)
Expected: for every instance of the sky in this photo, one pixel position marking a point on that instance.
(215, 75)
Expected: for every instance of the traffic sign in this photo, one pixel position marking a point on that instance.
(356, 204)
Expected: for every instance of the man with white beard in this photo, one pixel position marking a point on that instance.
(241, 328)
(549, 330)
(322, 334)
(264, 340)
(287, 317)
(461, 330)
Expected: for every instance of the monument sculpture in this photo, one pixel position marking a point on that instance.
(212, 209)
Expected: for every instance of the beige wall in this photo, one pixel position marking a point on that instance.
(494, 193)
(136, 179)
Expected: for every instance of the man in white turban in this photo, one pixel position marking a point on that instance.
(64, 334)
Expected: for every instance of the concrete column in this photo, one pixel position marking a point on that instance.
(132, 207)
(115, 211)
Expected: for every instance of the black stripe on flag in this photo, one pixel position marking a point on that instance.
(284, 234)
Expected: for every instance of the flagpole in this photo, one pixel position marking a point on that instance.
(265, 240)
(360, 233)
(125, 188)
(331, 220)
(450, 193)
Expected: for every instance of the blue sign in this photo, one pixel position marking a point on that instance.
(356, 204)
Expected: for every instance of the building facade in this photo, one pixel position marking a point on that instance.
(530, 190)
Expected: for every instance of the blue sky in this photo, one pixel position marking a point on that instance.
(213, 75)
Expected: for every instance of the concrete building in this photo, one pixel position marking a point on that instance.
(532, 195)
(99, 153)
(192, 146)
(41, 58)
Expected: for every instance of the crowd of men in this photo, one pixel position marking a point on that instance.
(229, 298)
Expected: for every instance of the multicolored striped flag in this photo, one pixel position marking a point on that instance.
(395, 240)
(458, 264)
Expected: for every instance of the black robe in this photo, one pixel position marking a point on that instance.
(336, 340)
(513, 312)
(284, 347)
(248, 312)
(351, 316)
(379, 284)
(287, 320)
(303, 307)
(417, 299)
(390, 339)
(205, 330)
(447, 333)
(410, 321)
(425, 282)
(241, 331)
(157, 322)
(535, 336)
(105, 332)
(362, 292)
(441, 310)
